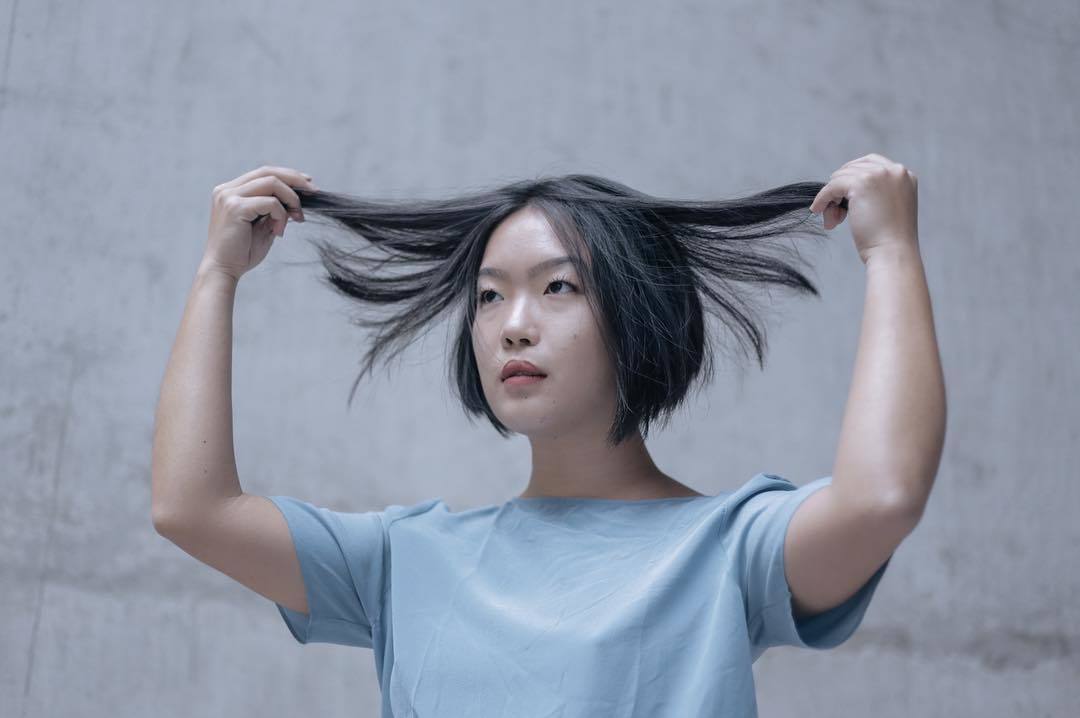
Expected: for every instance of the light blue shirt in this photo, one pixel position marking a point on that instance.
(562, 606)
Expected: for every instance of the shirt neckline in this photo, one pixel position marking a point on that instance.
(592, 500)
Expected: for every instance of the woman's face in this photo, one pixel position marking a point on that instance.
(543, 319)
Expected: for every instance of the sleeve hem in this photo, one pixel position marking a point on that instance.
(312, 627)
(305, 628)
(829, 628)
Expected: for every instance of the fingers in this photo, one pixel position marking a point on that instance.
(831, 200)
(275, 182)
(834, 192)
(871, 159)
(287, 177)
(272, 185)
(287, 174)
(834, 215)
(254, 208)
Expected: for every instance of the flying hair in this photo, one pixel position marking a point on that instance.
(649, 267)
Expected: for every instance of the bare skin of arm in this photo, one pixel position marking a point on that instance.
(197, 500)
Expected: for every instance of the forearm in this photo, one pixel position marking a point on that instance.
(893, 429)
(193, 463)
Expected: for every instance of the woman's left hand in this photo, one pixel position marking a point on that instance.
(882, 199)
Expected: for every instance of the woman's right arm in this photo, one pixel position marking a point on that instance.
(196, 498)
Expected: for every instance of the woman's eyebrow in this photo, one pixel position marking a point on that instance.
(535, 270)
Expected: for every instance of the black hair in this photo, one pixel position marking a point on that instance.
(646, 263)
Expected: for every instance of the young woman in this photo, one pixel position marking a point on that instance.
(607, 587)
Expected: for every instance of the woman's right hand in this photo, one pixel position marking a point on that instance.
(247, 213)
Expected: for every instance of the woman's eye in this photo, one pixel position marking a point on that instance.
(483, 292)
(562, 281)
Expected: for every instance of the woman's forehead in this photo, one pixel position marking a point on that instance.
(524, 229)
(525, 238)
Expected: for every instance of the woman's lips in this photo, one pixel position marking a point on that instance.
(522, 380)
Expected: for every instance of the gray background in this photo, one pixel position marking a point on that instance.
(117, 119)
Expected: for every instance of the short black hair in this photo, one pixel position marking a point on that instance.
(647, 263)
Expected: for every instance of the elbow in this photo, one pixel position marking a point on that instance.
(164, 519)
(905, 506)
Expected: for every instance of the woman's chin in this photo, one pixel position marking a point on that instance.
(527, 423)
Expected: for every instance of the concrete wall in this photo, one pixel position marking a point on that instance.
(117, 119)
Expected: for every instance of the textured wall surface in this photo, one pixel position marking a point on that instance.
(118, 118)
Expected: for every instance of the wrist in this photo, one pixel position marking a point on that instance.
(213, 275)
(894, 253)
(209, 271)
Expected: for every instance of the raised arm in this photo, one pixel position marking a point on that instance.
(196, 498)
(893, 429)
(193, 464)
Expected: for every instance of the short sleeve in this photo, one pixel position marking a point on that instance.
(341, 558)
(756, 526)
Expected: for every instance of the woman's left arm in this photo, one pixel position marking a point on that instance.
(893, 429)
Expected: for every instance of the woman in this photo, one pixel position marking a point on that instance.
(607, 587)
